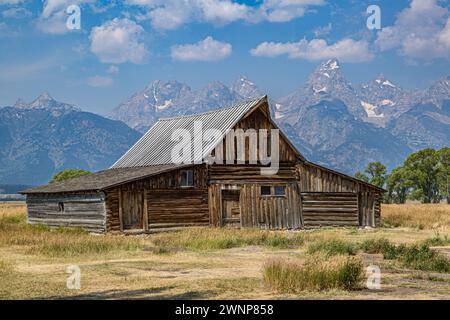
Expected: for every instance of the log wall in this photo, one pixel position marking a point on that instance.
(167, 203)
(326, 209)
(313, 178)
(84, 210)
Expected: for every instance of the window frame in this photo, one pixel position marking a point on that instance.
(275, 191)
(261, 191)
(272, 191)
(185, 174)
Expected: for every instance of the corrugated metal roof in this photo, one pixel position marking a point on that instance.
(103, 179)
(156, 146)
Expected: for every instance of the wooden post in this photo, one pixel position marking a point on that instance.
(120, 209)
(145, 213)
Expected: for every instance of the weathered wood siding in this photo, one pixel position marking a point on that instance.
(189, 207)
(272, 212)
(167, 203)
(313, 178)
(325, 209)
(85, 210)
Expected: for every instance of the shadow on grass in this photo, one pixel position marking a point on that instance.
(142, 294)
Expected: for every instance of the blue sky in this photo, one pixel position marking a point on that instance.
(123, 45)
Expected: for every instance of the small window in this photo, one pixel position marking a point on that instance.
(265, 190)
(280, 190)
(187, 178)
(60, 206)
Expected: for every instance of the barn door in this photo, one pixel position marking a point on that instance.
(132, 210)
(231, 213)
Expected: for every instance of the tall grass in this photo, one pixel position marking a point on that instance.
(318, 273)
(333, 247)
(60, 242)
(211, 239)
(422, 216)
(416, 256)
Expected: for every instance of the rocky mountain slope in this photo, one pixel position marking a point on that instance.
(168, 99)
(45, 136)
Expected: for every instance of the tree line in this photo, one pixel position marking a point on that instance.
(424, 176)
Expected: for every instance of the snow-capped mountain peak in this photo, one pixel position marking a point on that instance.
(382, 81)
(46, 101)
(245, 88)
(332, 64)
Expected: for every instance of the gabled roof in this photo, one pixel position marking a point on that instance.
(103, 179)
(155, 147)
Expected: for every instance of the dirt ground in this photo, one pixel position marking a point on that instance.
(234, 273)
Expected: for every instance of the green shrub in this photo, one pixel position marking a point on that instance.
(418, 257)
(422, 258)
(437, 240)
(333, 247)
(68, 174)
(374, 246)
(316, 274)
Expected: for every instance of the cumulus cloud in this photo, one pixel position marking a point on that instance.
(346, 50)
(420, 31)
(171, 14)
(100, 81)
(205, 50)
(16, 12)
(118, 41)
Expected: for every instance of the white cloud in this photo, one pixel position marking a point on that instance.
(100, 81)
(112, 70)
(322, 31)
(346, 50)
(205, 50)
(16, 12)
(419, 32)
(222, 11)
(54, 24)
(11, 1)
(118, 41)
(171, 14)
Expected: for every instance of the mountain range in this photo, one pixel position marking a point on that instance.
(332, 122)
(41, 138)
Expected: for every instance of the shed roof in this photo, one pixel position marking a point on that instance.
(103, 179)
(155, 147)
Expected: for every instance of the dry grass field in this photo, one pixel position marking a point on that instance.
(412, 250)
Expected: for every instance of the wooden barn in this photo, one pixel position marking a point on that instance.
(145, 191)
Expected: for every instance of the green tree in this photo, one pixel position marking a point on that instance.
(422, 170)
(377, 173)
(68, 174)
(361, 176)
(444, 173)
(374, 173)
(397, 185)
